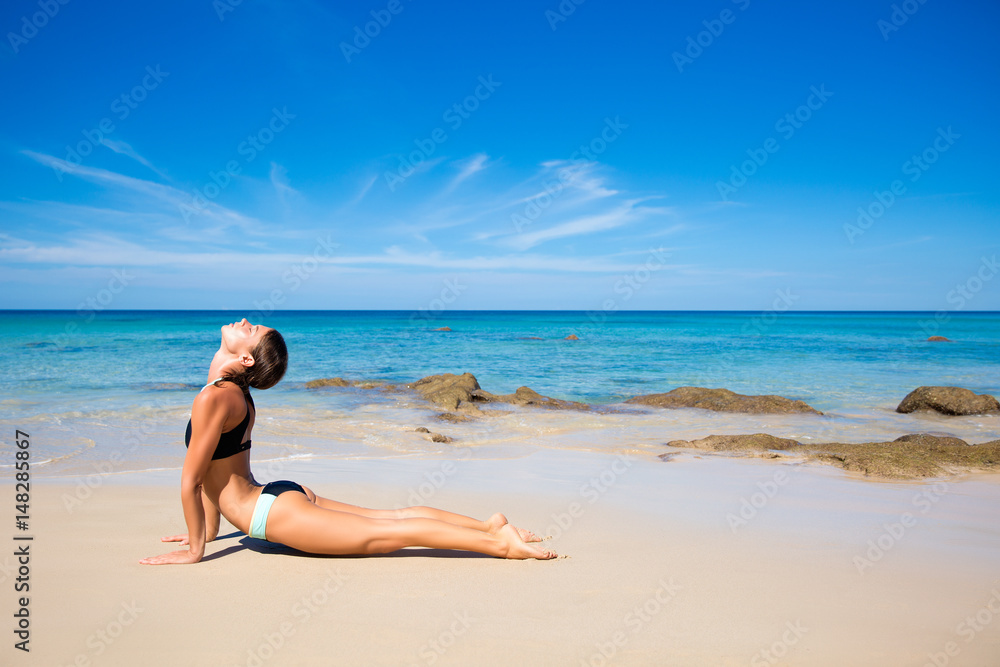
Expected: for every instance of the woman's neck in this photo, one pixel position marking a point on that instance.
(221, 362)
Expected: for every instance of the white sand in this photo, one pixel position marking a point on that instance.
(656, 575)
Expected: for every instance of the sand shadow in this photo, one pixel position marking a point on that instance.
(265, 547)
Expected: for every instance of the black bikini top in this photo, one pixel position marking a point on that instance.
(230, 442)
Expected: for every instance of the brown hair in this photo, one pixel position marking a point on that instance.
(270, 362)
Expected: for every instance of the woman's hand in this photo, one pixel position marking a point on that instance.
(174, 557)
(183, 539)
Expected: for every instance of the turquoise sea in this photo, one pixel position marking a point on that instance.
(92, 383)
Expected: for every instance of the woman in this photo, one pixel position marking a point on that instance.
(216, 479)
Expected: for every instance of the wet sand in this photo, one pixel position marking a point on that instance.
(695, 561)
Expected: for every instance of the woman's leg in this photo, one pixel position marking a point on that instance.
(296, 521)
(491, 525)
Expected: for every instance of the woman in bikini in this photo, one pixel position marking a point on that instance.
(216, 479)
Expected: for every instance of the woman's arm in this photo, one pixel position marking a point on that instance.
(211, 522)
(208, 414)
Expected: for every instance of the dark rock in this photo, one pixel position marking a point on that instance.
(571, 337)
(528, 396)
(329, 382)
(437, 437)
(451, 417)
(948, 401)
(928, 440)
(447, 390)
(723, 400)
(758, 442)
(938, 339)
(913, 456)
(422, 429)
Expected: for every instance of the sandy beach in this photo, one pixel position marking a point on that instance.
(696, 561)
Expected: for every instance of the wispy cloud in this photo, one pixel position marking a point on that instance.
(467, 168)
(176, 200)
(125, 149)
(279, 181)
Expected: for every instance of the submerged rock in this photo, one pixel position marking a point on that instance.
(938, 339)
(723, 400)
(453, 418)
(341, 382)
(758, 442)
(462, 392)
(422, 429)
(437, 437)
(948, 401)
(572, 337)
(443, 329)
(912, 456)
(329, 382)
(528, 396)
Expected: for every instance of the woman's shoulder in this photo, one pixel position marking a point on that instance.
(219, 395)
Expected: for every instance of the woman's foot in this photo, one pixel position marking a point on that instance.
(517, 548)
(498, 521)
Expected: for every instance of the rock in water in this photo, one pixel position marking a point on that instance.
(443, 329)
(758, 442)
(948, 401)
(447, 390)
(938, 339)
(723, 400)
(572, 337)
(528, 396)
(329, 382)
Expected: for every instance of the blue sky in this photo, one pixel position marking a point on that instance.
(513, 156)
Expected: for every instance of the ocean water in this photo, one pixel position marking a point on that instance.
(86, 387)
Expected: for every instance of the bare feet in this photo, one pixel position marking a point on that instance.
(517, 548)
(498, 521)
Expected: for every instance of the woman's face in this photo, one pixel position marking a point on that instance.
(241, 337)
